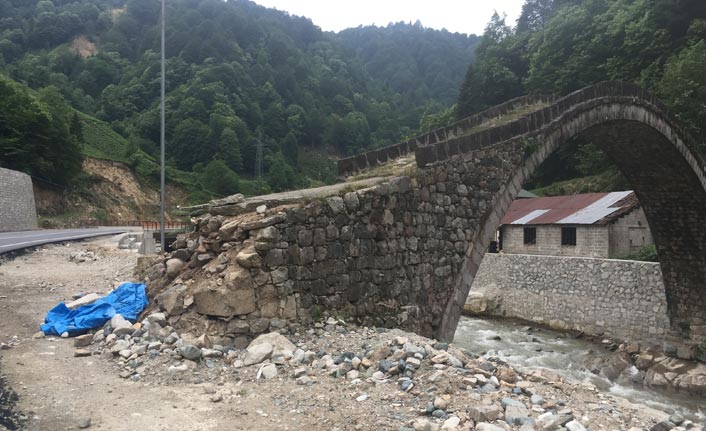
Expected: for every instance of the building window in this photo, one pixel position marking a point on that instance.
(530, 235)
(568, 236)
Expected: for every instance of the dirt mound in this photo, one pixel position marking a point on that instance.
(109, 191)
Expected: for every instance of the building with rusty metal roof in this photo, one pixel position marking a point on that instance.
(592, 225)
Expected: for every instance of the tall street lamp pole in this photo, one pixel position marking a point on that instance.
(161, 146)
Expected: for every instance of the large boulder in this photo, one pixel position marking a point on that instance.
(171, 301)
(214, 300)
(248, 258)
(234, 296)
(476, 303)
(257, 353)
(121, 326)
(280, 344)
(174, 266)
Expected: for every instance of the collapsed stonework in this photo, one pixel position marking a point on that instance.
(252, 272)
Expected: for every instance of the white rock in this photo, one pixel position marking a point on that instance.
(99, 336)
(267, 371)
(485, 426)
(440, 403)
(158, 318)
(280, 344)
(401, 341)
(421, 424)
(176, 369)
(575, 426)
(451, 423)
(121, 326)
(257, 353)
(414, 362)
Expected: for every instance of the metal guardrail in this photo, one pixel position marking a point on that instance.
(145, 224)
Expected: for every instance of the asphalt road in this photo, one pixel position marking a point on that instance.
(10, 241)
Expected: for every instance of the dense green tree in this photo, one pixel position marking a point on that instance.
(34, 134)
(218, 178)
(187, 143)
(684, 86)
(237, 74)
(229, 150)
(496, 75)
(281, 175)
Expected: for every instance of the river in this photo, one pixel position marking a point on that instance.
(530, 347)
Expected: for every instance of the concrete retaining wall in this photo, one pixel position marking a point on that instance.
(17, 209)
(624, 299)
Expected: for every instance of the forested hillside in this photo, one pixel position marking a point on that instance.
(559, 46)
(420, 63)
(239, 77)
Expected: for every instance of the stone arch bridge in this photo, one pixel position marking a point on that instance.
(404, 251)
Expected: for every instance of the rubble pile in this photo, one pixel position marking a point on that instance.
(218, 272)
(83, 256)
(440, 386)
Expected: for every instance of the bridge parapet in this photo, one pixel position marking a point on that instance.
(561, 110)
(355, 164)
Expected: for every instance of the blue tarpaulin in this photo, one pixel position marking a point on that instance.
(129, 299)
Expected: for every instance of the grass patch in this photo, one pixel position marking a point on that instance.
(608, 181)
(404, 166)
(507, 118)
(100, 141)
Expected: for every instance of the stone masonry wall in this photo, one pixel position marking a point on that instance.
(17, 209)
(385, 255)
(620, 298)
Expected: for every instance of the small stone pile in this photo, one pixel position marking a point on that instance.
(83, 256)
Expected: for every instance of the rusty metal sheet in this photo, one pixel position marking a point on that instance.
(597, 210)
(588, 208)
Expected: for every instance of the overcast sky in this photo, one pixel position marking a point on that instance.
(462, 16)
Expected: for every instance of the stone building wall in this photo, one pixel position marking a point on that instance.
(17, 209)
(591, 241)
(630, 233)
(620, 298)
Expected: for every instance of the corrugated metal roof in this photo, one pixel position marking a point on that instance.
(589, 208)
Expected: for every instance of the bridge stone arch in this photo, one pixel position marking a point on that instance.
(403, 251)
(636, 131)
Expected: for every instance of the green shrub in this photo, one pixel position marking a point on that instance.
(647, 253)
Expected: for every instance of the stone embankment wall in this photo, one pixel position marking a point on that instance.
(17, 209)
(620, 298)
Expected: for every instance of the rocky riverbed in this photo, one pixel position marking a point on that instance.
(327, 375)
